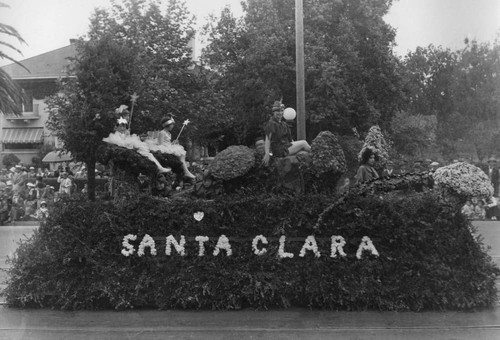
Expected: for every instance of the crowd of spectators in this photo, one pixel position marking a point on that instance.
(25, 194)
(480, 209)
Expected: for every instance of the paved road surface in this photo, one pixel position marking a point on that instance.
(289, 324)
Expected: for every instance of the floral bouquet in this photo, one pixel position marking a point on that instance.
(464, 180)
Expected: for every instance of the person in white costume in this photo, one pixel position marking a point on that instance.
(166, 145)
(123, 138)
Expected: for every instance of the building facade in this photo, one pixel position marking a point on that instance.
(24, 135)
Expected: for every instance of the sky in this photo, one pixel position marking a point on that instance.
(46, 25)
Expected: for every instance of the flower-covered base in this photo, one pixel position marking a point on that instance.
(380, 252)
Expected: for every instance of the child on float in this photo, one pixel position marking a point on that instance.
(123, 138)
(166, 145)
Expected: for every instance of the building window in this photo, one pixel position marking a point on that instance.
(28, 101)
(22, 146)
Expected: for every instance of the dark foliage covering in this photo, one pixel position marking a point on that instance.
(131, 162)
(240, 167)
(428, 257)
(327, 154)
(232, 162)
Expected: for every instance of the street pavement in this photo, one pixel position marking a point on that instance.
(247, 324)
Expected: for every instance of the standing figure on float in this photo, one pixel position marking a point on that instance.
(123, 138)
(278, 137)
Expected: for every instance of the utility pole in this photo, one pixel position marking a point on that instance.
(299, 55)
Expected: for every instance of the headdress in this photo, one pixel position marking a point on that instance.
(122, 120)
(278, 105)
(165, 121)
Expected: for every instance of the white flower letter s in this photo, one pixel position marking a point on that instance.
(128, 248)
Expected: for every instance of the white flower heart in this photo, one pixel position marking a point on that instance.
(198, 215)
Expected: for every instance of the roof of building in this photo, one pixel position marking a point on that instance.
(49, 65)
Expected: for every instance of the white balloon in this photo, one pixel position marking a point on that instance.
(289, 113)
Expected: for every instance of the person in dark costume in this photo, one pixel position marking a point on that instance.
(366, 171)
(278, 142)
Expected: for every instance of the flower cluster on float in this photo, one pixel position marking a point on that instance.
(259, 244)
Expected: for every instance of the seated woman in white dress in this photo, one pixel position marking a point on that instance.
(165, 144)
(123, 138)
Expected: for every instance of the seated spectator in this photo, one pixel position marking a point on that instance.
(39, 172)
(41, 213)
(492, 210)
(48, 193)
(479, 211)
(468, 209)
(31, 172)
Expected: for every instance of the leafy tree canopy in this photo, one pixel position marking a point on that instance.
(351, 76)
(460, 88)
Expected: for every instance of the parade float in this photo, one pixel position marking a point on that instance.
(253, 236)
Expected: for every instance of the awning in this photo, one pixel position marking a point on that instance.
(57, 156)
(22, 136)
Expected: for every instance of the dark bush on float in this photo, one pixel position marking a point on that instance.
(428, 258)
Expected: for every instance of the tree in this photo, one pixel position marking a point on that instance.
(352, 78)
(82, 113)
(461, 88)
(10, 160)
(11, 95)
(158, 38)
(136, 47)
(412, 134)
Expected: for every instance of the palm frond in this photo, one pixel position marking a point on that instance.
(12, 47)
(11, 94)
